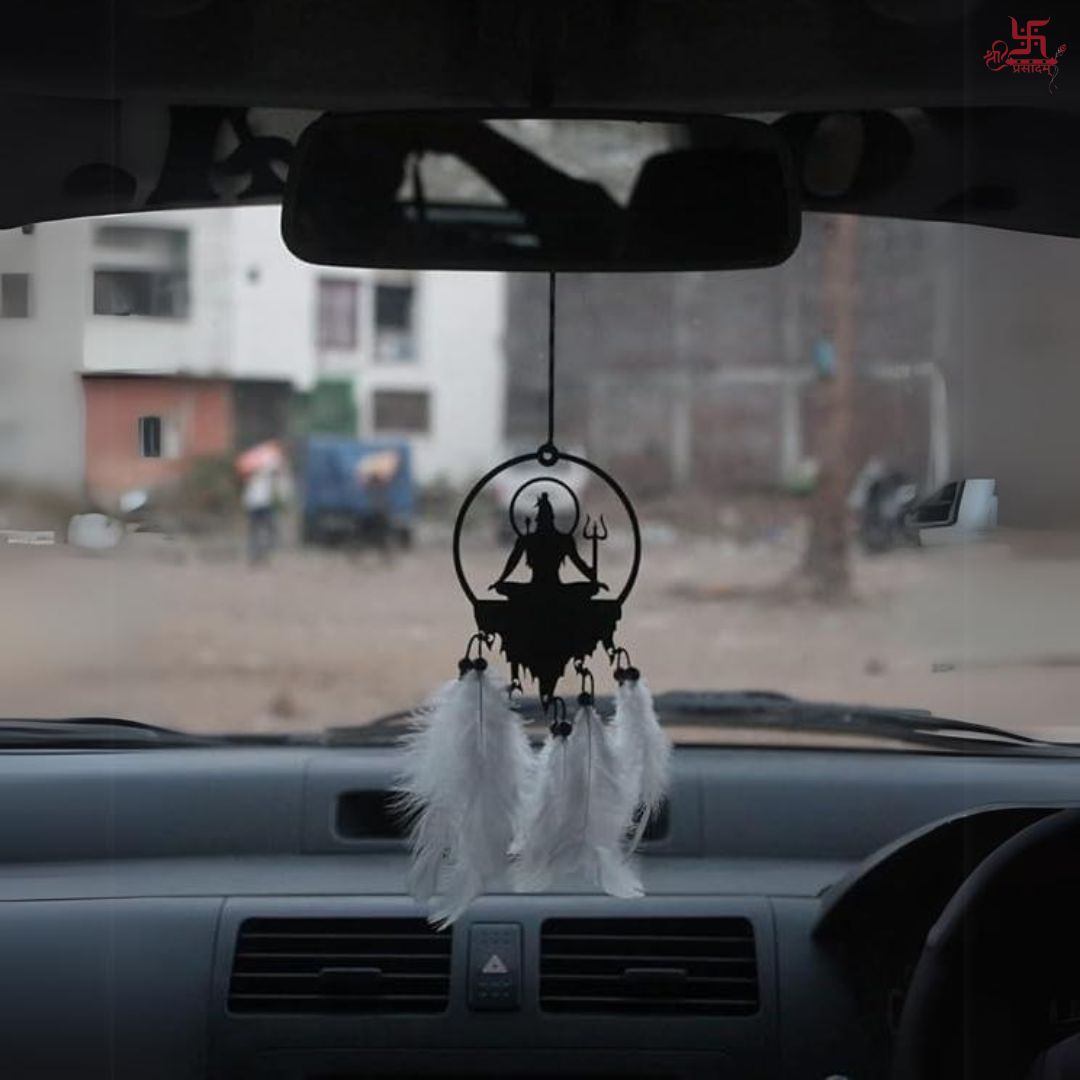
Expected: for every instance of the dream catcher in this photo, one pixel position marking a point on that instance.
(483, 805)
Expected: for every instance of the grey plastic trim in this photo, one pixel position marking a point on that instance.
(748, 1042)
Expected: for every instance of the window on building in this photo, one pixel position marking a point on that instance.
(14, 296)
(150, 436)
(157, 294)
(159, 437)
(402, 411)
(338, 313)
(141, 270)
(394, 329)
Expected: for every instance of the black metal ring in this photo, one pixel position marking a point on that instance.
(548, 454)
(521, 459)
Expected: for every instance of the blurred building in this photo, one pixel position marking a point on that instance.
(213, 316)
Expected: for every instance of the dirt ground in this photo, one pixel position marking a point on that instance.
(190, 636)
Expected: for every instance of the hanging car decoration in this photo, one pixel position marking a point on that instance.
(546, 622)
(482, 804)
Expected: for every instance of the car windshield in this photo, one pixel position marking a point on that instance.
(228, 479)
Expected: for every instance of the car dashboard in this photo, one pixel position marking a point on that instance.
(241, 912)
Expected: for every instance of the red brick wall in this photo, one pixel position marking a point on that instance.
(114, 463)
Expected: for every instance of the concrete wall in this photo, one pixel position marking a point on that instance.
(1014, 371)
(704, 380)
(41, 414)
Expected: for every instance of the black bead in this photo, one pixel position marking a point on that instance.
(584, 698)
(464, 666)
(479, 664)
(633, 674)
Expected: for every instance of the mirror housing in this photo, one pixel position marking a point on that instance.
(359, 194)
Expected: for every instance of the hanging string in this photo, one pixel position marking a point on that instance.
(551, 360)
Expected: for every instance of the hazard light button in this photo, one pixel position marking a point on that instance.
(495, 966)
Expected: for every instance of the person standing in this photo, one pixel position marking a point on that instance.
(376, 474)
(260, 498)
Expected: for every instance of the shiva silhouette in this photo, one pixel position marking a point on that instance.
(545, 549)
(546, 622)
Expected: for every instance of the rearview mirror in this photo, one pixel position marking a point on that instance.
(439, 193)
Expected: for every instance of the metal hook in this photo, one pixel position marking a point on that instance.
(560, 726)
(482, 641)
(623, 672)
(555, 706)
(588, 683)
(467, 663)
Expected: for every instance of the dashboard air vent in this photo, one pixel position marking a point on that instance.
(340, 966)
(687, 966)
(369, 815)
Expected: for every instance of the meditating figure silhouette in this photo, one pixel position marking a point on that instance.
(545, 549)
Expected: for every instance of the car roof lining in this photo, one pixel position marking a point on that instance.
(105, 117)
(672, 54)
(70, 157)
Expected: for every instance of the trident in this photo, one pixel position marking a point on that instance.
(595, 533)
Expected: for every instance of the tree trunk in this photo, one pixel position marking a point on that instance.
(826, 568)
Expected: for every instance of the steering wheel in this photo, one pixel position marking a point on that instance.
(979, 1002)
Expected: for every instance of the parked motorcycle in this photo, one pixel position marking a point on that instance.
(884, 498)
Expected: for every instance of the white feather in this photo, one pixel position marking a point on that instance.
(420, 782)
(541, 844)
(644, 751)
(577, 814)
(466, 764)
(529, 796)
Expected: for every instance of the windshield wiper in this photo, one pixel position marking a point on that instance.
(112, 733)
(757, 709)
(774, 711)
